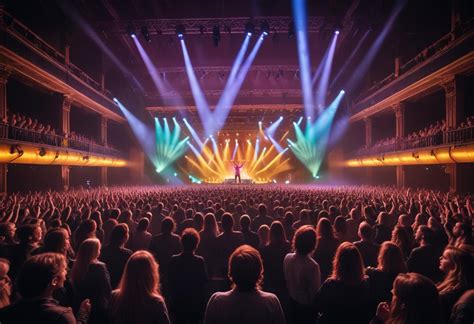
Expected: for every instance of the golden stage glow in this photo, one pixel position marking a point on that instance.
(214, 164)
(440, 155)
(57, 156)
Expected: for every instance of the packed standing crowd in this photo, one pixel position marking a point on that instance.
(237, 254)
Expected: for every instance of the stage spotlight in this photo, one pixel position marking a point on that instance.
(42, 151)
(85, 158)
(180, 31)
(131, 31)
(342, 91)
(145, 33)
(264, 28)
(249, 28)
(291, 29)
(337, 32)
(216, 35)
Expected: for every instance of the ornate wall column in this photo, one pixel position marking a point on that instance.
(66, 129)
(399, 109)
(103, 140)
(4, 74)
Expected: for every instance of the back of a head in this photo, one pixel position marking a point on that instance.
(244, 222)
(383, 219)
(140, 282)
(227, 222)
(38, 272)
(416, 300)
(210, 223)
(189, 240)
(262, 210)
(340, 224)
(304, 240)
(143, 224)
(390, 259)
(427, 234)
(324, 229)
(366, 231)
(348, 266)
(88, 251)
(277, 233)
(119, 234)
(24, 233)
(246, 268)
(55, 241)
(167, 225)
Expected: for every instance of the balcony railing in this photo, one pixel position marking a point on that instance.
(458, 136)
(430, 51)
(25, 135)
(35, 41)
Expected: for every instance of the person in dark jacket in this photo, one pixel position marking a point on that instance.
(115, 255)
(187, 276)
(425, 258)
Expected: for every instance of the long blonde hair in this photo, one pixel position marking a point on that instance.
(140, 283)
(459, 276)
(88, 253)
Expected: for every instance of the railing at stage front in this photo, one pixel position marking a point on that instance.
(29, 136)
(451, 137)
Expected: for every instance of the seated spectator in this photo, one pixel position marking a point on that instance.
(246, 302)
(458, 266)
(326, 247)
(115, 255)
(90, 280)
(29, 237)
(137, 298)
(302, 276)
(345, 296)
(141, 238)
(367, 248)
(250, 237)
(425, 258)
(40, 276)
(415, 300)
(163, 246)
(187, 276)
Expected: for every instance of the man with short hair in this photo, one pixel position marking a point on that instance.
(39, 277)
(366, 246)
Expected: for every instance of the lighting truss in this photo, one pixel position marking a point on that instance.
(199, 26)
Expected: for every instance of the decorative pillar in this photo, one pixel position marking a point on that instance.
(4, 74)
(66, 129)
(397, 66)
(103, 141)
(368, 132)
(454, 92)
(399, 109)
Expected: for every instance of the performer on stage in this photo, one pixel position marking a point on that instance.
(237, 168)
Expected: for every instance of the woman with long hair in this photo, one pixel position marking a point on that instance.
(137, 298)
(207, 244)
(404, 239)
(273, 255)
(458, 266)
(415, 301)
(326, 247)
(345, 295)
(90, 280)
(390, 264)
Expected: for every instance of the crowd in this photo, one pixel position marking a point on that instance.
(427, 136)
(47, 133)
(237, 254)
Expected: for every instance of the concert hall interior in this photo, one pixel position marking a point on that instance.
(150, 112)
